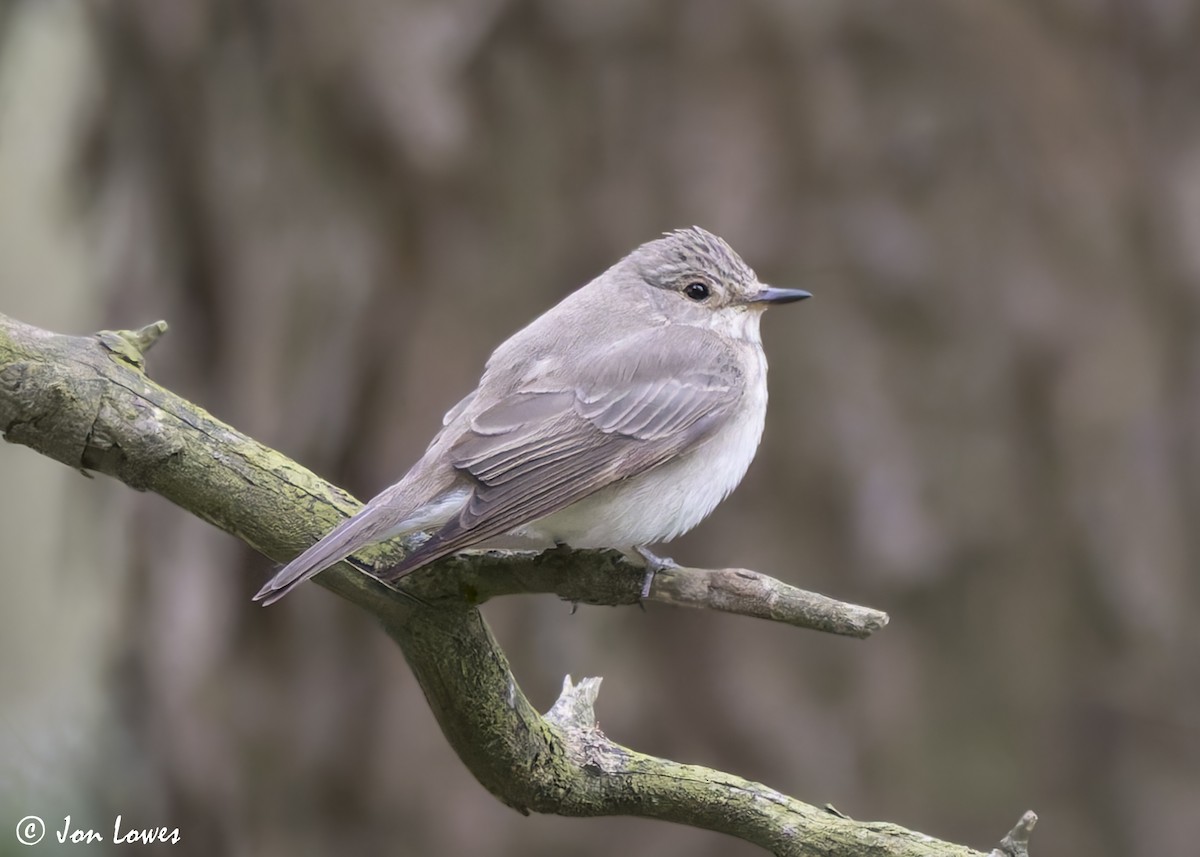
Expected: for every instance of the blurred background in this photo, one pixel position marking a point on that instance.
(986, 423)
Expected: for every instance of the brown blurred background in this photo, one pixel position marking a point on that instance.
(985, 423)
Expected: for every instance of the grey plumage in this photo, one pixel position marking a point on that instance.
(618, 418)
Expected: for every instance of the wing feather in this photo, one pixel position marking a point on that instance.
(548, 445)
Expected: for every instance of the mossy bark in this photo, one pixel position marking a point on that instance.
(85, 401)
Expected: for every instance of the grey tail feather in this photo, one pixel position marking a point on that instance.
(344, 539)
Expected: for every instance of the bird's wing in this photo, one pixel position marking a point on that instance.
(554, 440)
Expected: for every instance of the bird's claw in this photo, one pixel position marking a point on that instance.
(654, 564)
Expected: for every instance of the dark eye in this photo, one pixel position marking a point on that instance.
(696, 291)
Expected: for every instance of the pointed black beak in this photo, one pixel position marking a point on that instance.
(772, 295)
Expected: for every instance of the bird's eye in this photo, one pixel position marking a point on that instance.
(696, 291)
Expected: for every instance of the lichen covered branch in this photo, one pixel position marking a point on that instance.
(85, 401)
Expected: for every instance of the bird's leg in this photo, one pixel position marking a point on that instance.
(654, 564)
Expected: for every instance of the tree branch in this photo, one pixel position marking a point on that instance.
(86, 402)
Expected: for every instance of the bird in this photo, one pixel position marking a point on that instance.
(619, 418)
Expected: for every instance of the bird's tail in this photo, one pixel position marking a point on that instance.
(350, 535)
(390, 514)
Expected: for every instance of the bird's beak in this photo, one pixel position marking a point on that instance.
(772, 295)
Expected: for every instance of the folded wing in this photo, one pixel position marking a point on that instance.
(547, 445)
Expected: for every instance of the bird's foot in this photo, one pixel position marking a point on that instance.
(654, 564)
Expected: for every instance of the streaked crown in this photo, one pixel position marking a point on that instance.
(692, 251)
